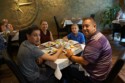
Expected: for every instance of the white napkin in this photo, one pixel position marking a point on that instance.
(82, 46)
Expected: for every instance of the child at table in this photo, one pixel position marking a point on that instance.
(75, 35)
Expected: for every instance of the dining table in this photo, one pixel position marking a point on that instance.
(62, 61)
(13, 34)
(119, 21)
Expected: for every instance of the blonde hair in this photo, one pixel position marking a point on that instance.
(74, 25)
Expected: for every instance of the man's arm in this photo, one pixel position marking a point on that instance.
(51, 57)
(77, 59)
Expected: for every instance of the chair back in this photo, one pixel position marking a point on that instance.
(14, 67)
(57, 24)
(92, 16)
(22, 35)
(0, 26)
(115, 69)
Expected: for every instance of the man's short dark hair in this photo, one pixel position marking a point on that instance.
(32, 28)
(89, 18)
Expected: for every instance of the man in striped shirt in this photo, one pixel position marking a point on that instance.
(96, 58)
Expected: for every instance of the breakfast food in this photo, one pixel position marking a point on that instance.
(48, 44)
(72, 42)
(50, 51)
(71, 46)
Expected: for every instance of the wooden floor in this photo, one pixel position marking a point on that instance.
(6, 76)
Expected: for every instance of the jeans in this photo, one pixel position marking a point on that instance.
(46, 76)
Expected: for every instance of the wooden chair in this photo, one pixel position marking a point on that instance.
(115, 69)
(13, 66)
(92, 16)
(59, 29)
(122, 32)
(12, 45)
(22, 35)
(1, 61)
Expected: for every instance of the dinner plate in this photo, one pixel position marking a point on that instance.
(50, 50)
(73, 42)
(48, 44)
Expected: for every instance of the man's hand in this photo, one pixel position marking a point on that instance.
(69, 53)
(39, 61)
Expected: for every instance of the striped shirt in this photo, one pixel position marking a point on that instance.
(98, 53)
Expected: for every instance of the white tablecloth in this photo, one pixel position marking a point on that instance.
(120, 21)
(60, 64)
(15, 37)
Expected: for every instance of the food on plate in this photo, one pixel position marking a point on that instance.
(51, 50)
(72, 42)
(71, 46)
(48, 44)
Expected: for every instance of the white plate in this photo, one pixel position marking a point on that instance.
(48, 44)
(73, 42)
(50, 50)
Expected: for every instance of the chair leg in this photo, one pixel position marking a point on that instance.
(120, 39)
(113, 35)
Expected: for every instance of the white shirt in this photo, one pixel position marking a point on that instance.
(121, 15)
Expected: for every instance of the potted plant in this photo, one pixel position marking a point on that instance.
(109, 15)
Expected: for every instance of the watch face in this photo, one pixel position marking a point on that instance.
(24, 12)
